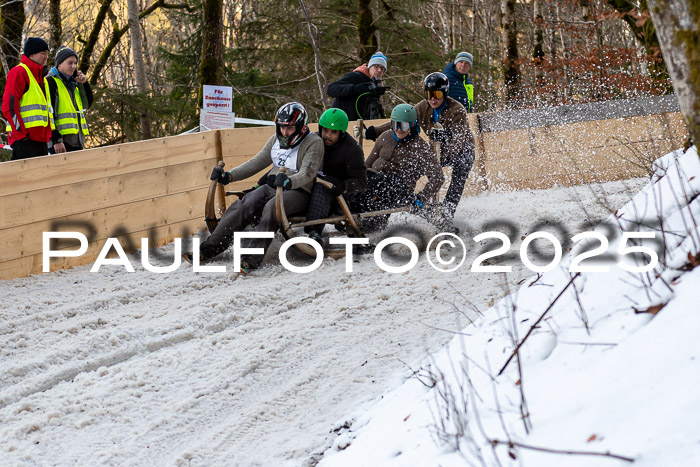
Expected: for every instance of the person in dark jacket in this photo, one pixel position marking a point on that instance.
(343, 166)
(71, 96)
(24, 103)
(357, 93)
(398, 160)
(445, 122)
(461, 87)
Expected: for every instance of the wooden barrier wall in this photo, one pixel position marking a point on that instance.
(156, 189)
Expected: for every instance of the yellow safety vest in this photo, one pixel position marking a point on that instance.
(34, 108)
(68, 119)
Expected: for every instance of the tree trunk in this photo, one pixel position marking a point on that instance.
(86, 54)
(365, 30)
(645, 33)
(139, 68)
(212, 45)
(511, 65)
(55, 29)
(117, 34)
(11, 26)
(538, 49)
(320, 76)
(678, 27)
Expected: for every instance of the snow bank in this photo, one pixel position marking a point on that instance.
(210, 369)
(613, 367)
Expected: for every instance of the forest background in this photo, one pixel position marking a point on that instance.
(147, 59)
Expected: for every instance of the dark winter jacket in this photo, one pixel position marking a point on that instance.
(15, 87)
(408, 159)
(345, 162)
(345, 91)
(461, 87)
(457, 140)
(75, 140)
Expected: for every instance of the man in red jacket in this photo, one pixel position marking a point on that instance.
(24, 103)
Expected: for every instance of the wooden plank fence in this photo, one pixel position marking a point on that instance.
(156, 189)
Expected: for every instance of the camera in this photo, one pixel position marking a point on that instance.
(376, 89)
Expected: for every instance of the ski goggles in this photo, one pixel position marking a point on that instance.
(403, 126)
(436, 94)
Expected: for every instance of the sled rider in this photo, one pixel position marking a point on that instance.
(292, 146)
(399, 158)
(445, 122)
(343, 166)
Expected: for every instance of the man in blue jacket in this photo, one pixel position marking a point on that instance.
(461, 87)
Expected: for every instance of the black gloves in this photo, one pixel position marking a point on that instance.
(368, 87)
(361, 88)
(269, 181)
(220, 175)
(371, 133)
(282, 180)
(338, 187)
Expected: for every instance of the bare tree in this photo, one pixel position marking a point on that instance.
(55, 29)
(678, 25)
(86, 55)
(211, 66)
(139, 69)
(511, 67)
(366, 30)
(538, 50)
(12, 20)
(318, 66)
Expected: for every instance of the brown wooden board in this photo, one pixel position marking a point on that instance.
(29, 175)
(26, 240)
(33, 264)
(51, 203)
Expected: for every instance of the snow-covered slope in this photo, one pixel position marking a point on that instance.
(210, 369)
(612, 371)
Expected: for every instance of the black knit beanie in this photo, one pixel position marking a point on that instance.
(34, 45)
(63, 53)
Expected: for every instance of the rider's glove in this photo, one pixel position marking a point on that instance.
(282, 180)
(220, 175)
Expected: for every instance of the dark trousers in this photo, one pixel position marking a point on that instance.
(461, 166)
(261, 203)
(26, 148)
(384, 191)
(320, 206)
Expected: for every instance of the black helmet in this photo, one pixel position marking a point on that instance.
(436, 84)
(291, 114)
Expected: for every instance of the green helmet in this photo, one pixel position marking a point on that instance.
(334, 119)
(404, 113)
(404, 117)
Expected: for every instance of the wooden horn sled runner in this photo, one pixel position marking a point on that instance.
(287, 225)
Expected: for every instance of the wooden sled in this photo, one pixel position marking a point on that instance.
(287, 225)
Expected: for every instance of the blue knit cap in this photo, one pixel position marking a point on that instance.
(465, 57)
(377, 59)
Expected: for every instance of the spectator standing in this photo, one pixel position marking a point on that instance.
(461, 87)
(357, 93)
(71, 96)
(24, 103)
